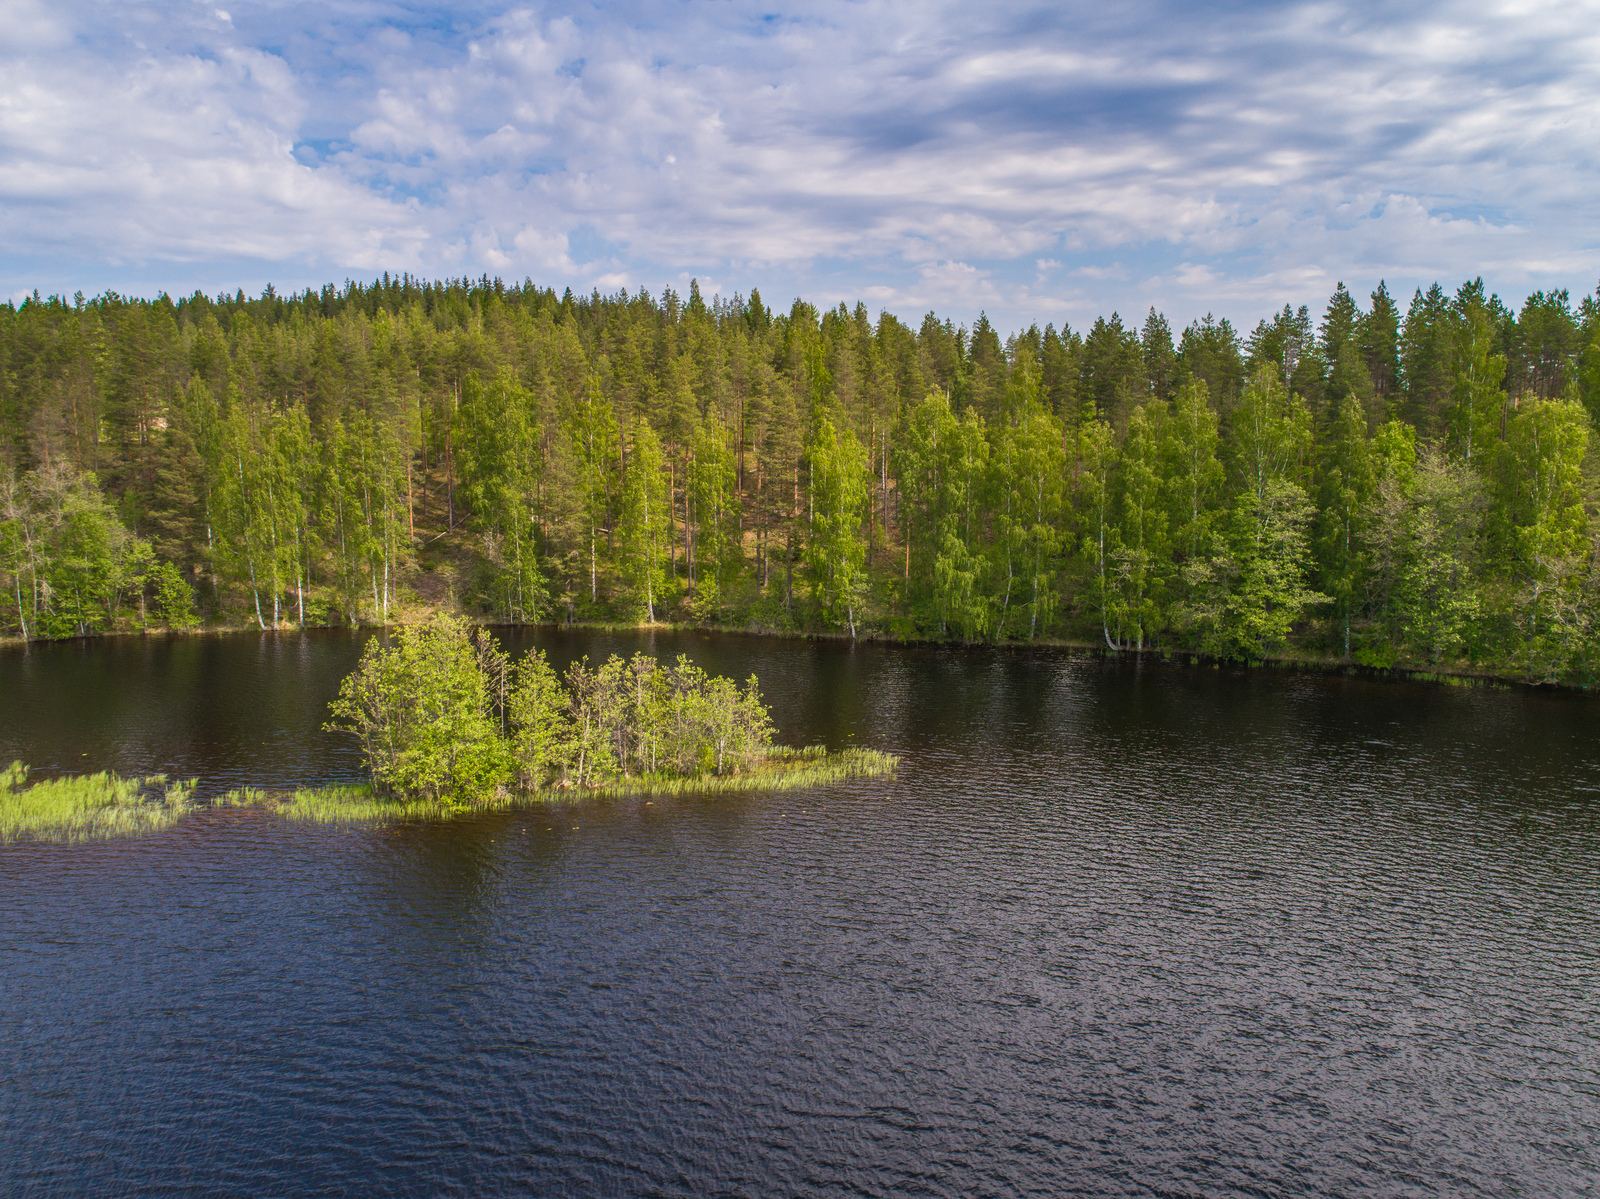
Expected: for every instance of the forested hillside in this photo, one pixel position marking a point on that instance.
(1390, 484)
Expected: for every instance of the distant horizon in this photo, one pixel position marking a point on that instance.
(1131, 318)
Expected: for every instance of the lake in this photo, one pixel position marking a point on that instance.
(1114, 929)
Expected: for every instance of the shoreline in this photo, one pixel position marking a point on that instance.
(1453, 676)
(105, 806)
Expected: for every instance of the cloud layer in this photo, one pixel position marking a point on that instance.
(1042, 162)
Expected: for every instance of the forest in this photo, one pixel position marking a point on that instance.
(1385, 483)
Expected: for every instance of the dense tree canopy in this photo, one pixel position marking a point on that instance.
(1392, 483)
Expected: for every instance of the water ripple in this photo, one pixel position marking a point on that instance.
(1112, 931)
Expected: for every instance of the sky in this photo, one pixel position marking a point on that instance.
(1040, 163)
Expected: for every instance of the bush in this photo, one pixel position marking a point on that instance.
(422, 712)
(442, 717)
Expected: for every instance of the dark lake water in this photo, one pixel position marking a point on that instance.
(1113, 930)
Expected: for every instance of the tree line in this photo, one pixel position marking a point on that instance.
(1383, 483)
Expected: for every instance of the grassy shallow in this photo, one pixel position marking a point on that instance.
(785, 769)
(359, 804)
(88, 807)
(93, 807)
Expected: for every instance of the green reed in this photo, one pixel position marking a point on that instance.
(360, 804)
(783, 770)
(89, 807)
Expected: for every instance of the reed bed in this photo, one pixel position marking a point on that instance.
(89, 807)
(360, 804)
(92, 807)
(354, 803)
(784, 770)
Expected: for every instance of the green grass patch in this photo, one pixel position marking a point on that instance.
(88, 807)
(360, 804)
(783, 770)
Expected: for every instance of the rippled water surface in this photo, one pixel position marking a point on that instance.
(1112, 930)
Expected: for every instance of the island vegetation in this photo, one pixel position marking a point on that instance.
(1391, 484)
(446, 722)
(449, 725)
(88, 807)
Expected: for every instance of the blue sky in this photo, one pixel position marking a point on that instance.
(1043, 163)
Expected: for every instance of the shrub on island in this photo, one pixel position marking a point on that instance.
(443, 717)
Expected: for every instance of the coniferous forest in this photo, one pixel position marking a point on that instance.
(1390, 483)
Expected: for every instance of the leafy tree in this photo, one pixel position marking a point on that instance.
(645, 524)
(1541, 482)
(541, 729)
(835, 549)
(1392, 455)
(1271, 433)
(1140, 554)
(1438, 596)
(1193, 472)
(1095, 499)
(713, 506)
(1478, 410)
(1031, 480)
(1251, 592)
(174, 597)
(1344, 491)
(593, 433)
(419, 709)
(339, 453)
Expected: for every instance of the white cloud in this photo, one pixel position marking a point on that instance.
(920, 155)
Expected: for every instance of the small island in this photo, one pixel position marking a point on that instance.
(449, 726)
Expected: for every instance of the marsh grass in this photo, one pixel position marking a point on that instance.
(783, 770)
(360, 804)
(242, 797)
(88, 807)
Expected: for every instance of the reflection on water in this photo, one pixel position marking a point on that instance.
(1113, 929)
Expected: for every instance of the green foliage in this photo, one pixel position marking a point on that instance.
(420, 708)
(88, 807)
(174, 598)
(1029, 477)
(518, 454)
(638, 718)
(1252, 590)
(1344, 491)
(69, 564)
(541, 734)
(443, 719)
(1436, 596)
(836, 549)
(497, 456)
(1271, 433)
(1140, 556)
(645, 528)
